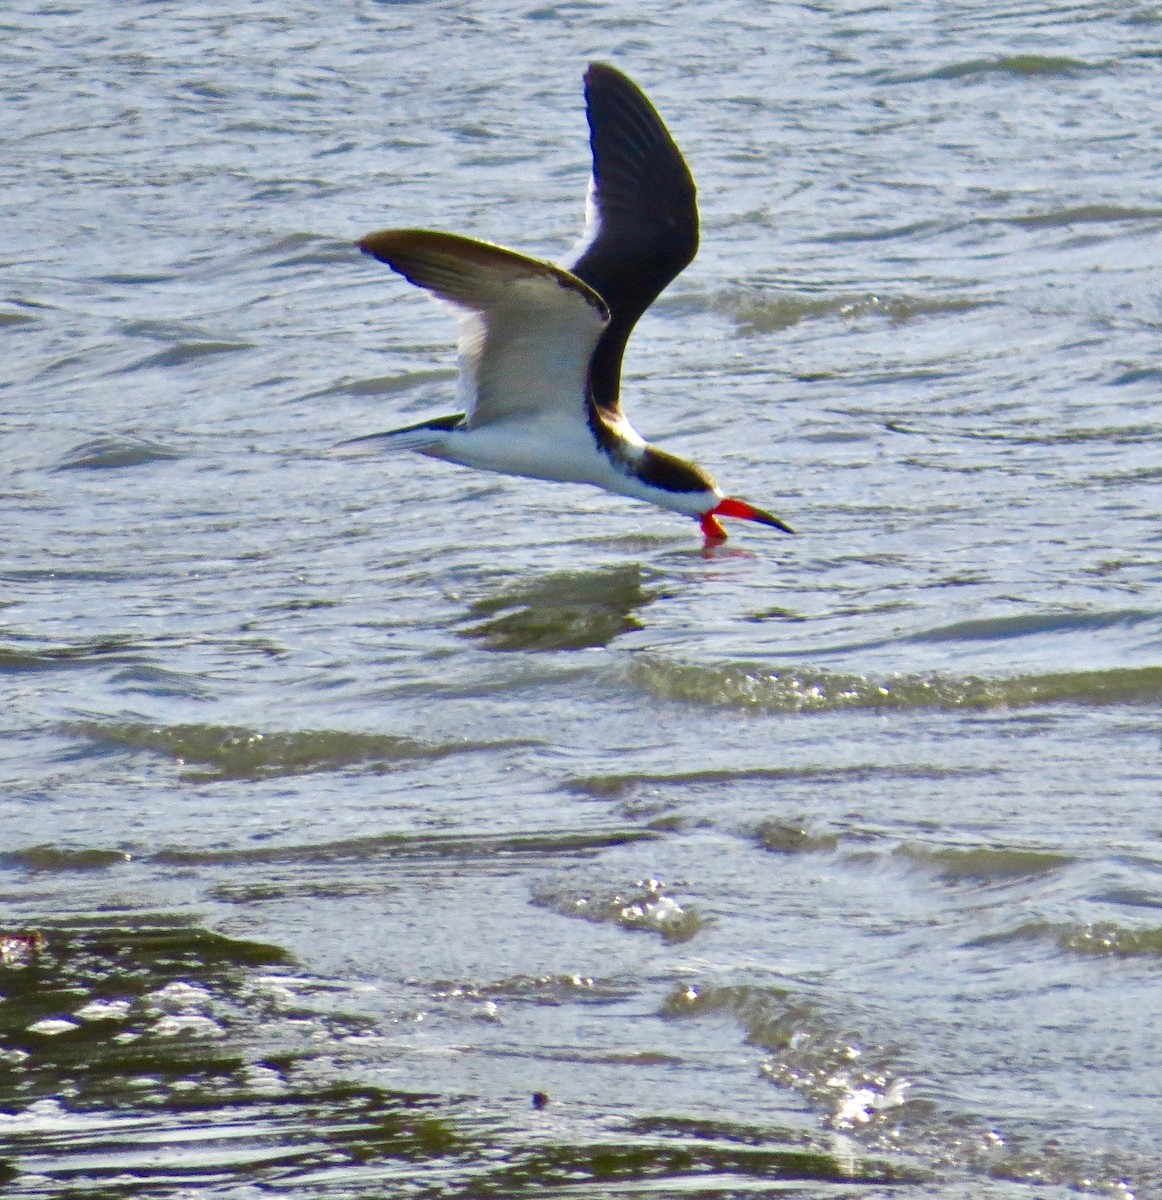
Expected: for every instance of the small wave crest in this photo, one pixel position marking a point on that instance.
(857, 1085)
(1022, 66)
(766, 310)
(106, 453)
(233, 752)
(808, 689)
(644, 905)
(1096, 939)
(188, 352)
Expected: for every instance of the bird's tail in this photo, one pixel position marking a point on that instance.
(422, 436)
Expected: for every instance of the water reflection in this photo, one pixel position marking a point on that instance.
(565, 610)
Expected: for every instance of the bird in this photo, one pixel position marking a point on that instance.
(541, 345)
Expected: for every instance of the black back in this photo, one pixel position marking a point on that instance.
(647, 216)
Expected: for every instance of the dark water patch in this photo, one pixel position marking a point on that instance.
(12, 659)
(215, 752)
(205, 90)
(1134, 475)
(188, 352)
(711, 1128)
(1138, 375)
(1085, 214)
(825, 437)
(1023, 66)
(1099, 939)
(16, 657)
(9, 319)
(912, 230)
(642, 906)
(1104, 938)
(282, 191)
(794, 690)
(292, 889)
(109, 453)
(1032, 624)
(983, 864)
(792, 837)
(320, 1141)
(614, 786)
(53, 859)
(64, 575)
(503, 850)
(148, 1053)
(804, 1161)
(1131, 897)
(136, 278)
(384, 385)
(569, 610)
(310, 249)
(304, 605)
(152, 680)
(1114, 435)
(155, 329)
(695, 1168)
(90, 1005)
(255, 126)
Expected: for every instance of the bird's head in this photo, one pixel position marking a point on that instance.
(681, 486)
(729, 507)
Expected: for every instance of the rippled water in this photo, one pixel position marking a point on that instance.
(373, 827)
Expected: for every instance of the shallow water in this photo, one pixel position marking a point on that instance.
(350, 803)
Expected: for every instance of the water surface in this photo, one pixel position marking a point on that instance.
(373, 827)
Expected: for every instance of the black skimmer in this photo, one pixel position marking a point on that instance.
(541, 345)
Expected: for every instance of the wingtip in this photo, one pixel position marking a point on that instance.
(368, 244)
(384, 242)
(598, 73)
(597, 67)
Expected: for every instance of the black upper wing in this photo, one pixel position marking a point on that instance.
(643, 218)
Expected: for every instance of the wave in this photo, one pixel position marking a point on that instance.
(983, 864)
(1027, 624)
(808, 689)
(644, 905)
(13, 318)
(213, 752)
(756, 310)
(1025, 66)
(386, 385)
(51, 859)
(106, 453)
(615, 786)
(188, 352)
(1097, 939)
(111, 648)
(1086, 214)
(806, 1051)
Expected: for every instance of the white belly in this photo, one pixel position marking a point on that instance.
(538, 449)
(548, 447)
